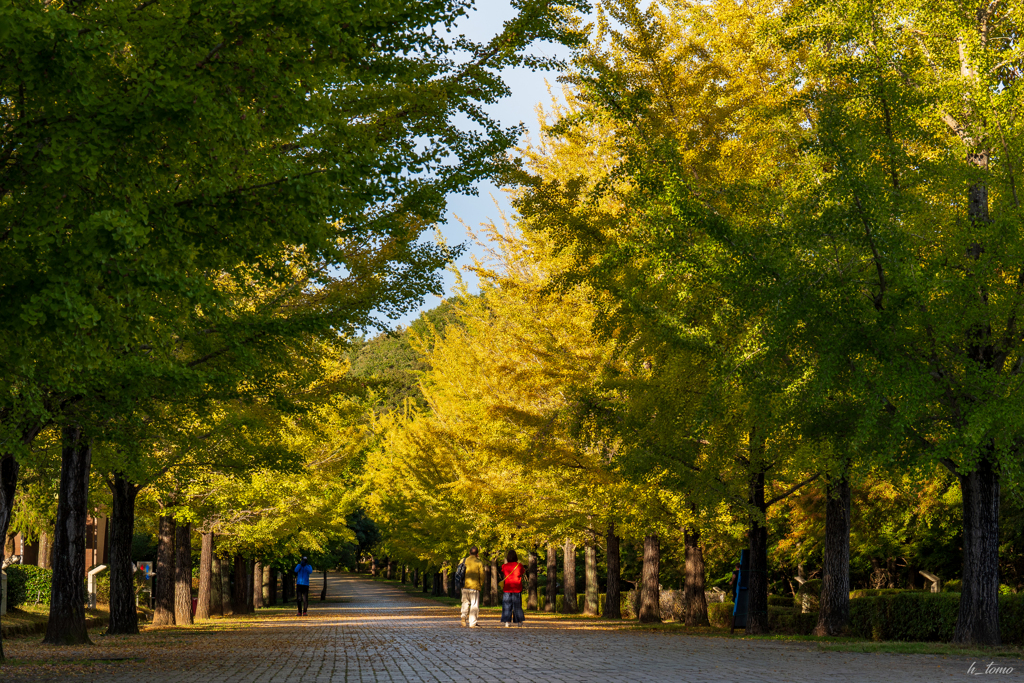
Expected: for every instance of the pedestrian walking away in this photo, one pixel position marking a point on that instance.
(471, 571)
(512, 597)
(302, 571)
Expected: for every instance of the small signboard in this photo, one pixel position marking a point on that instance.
(146, 567)
(739, 608)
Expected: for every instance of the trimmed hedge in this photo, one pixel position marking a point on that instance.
(780, 601)
(924, 616)
(28, 584)
(787, 620)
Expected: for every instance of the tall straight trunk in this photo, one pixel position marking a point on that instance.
(250, 603)
(373, 566)
(612, 597)
(495, 577)
(695, 604)
(183, 574)
(552, 577)
(45, 559)
(531, 572)
(217, 587)
(485, 590)
(205, 577)
(390, 570)
(239, 599)
(403, 568)
(757, 585)
(977, 621)
(8, 487)
(66, 625)
(124, 618)
(227, 593)
(650, 596)
(834, 607)
(272, 587)
(163, 574)
(591, 608)
(257, 583)
(265, 586)
(287, 586)
(426, 579)
(444, 580)
(569, 578)
(323, 591)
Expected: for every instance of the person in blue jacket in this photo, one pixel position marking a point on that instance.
(302, 571)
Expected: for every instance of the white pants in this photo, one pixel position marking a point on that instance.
(470, 605)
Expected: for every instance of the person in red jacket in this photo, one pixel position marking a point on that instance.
(512, 599)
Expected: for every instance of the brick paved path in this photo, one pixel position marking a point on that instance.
(381, 634)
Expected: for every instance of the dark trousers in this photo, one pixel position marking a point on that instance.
(302, 598)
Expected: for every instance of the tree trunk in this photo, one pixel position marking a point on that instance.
(205, 577)
(650, 596)
(66, 625)
(257, 584)
(265, 587)
(272, 586)
(124, 618)
(757, 585)
(239, 599)
(216, 587)
(8, 487)
(45, 559)
(444, 581)
(531, 571)
(183, 574)
(612, 597)
(495, 577)
(834, 607)
(590, 608)
(552, 577)
(695, 603)
(323, 591)
(286, 586)
(977, 622)
(569, 578)
(250, 583)
(163, 614)
(227, 592)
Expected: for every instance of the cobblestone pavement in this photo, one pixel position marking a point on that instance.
(382, 634)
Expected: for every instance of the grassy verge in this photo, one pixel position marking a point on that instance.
(844, 644)
(30, 620)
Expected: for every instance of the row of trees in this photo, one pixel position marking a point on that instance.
(199, 205)
(767, 253)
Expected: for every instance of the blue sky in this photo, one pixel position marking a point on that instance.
(528, 89)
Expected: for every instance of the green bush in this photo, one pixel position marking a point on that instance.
(780, 601)
(904, 615)
(952, 586)
(28, 584)
(917, 615)
(872, 592)
(791, 621)
(1011, 619)
(720, 614)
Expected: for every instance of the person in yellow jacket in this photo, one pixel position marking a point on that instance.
(471, 585)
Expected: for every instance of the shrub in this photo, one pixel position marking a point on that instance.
(28, 584)
(952, 586)
(1011, 619)
(923, 616)
(791, 620)
(720, 614)
(904, 615)
(780, 601)
(872, 592)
